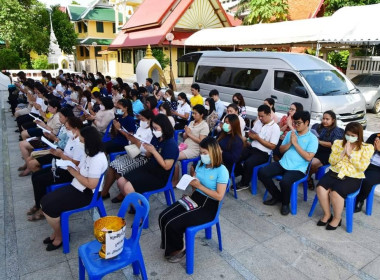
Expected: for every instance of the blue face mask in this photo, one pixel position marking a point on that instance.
(206, 159)
(119, 112)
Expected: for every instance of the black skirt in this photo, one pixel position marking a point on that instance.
(343, 187)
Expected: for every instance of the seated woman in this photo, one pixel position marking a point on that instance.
(372, 173)
(231, 141)
(157, 91)
(162, 153)
(270, 102)
(194, 134)
(151, 104)
(327, 132)
(80, 192)
(170, 98)
(124, 164)
(116, 95)
(53, 124)
(183, 111)
(286, 125)
(212, 115)
(165, 110)
(209, 189)
(233, 109)
(26, 147)
(349, 159)
(136, 103)
(238, 99)
(103, 117)
(41, 179)
(125, 119)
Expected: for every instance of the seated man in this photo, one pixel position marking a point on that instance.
(264, 135)
(299, 148)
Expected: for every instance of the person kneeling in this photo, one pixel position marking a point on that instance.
(209, 189)
(349, 159)
(299, 148)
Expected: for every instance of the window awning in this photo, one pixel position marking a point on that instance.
(99, 41)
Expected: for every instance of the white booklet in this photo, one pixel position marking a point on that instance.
(63, 164)
(134, 135)
(184, 182)
(47, 142)
(34, 117)
(31, 138)
(43, 129)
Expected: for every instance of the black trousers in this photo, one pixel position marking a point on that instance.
(372, 177)
(288, 178)
(44, 178)
(112, 147)
(252, 157)
(174, 220)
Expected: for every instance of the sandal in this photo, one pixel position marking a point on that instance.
(32, 210)
(36, 217)
(310, 183)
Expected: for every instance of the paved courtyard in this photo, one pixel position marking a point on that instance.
(258, 242)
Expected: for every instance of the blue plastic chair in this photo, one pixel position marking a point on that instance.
(176, 133)
(52, 188)
(96, 267)
(369, 201)
(114, 155)
(107, 134)
(46, 166)
(185, 163)
(321, 171)
(168, 191)
(350, 205)
(255, 172)
(96, 201)
(233, 180)
(294, 191)
(192, 231)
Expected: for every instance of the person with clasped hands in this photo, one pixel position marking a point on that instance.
(349, 159)
(299, 148)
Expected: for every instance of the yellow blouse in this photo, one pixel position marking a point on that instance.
(353, 167)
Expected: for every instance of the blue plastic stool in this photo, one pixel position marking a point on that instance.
(294, 191)
(192, 231)
(255, 172)
(369, 201)
(168, 191)
(96, 267)
(350, 205)
(96, 201)
(185, 163)
(114, 155)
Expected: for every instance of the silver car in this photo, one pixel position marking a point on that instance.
(369, 86)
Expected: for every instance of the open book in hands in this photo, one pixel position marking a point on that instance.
(185, 181)
(63, 164)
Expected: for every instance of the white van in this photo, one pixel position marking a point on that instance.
(285, 77)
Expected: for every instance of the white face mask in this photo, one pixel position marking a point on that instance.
(207, 107)
(144, 125)
(180, 102)
(351, 139)
(102, 108)
(157, 133)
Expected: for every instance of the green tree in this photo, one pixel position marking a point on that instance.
(9, 59)
(158, 54)
(74, 3)
(63, 30)
(40, 62)
(24, 26)
(332, 6)
(338, 58)
(262, 11)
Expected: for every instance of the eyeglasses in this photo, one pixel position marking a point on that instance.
(298, 123)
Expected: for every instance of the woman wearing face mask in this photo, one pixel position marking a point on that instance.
(124, 164)
(183, 111)
(212, 115)
(238, 99)
(327, 132)
(116, 95)
(349, 159)
(231, 141)
(162, 153)
(209, 189)
(157, 91)
(124, 119)
(165, 110)
(286, 125)
(103, 117)
(41, 179)
(170, 98)
(233, 109)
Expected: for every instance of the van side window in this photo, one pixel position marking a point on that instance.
(242, 78)
(287, 82)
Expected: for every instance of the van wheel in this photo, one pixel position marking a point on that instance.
(376, 107)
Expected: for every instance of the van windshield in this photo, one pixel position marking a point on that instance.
(327, 82)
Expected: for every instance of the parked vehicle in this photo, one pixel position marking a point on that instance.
(286, 77)
(369, 86)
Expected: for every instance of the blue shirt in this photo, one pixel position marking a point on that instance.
(211, 177)
(137, 106)
(129, 124)
(219, 107)
(292, 160)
